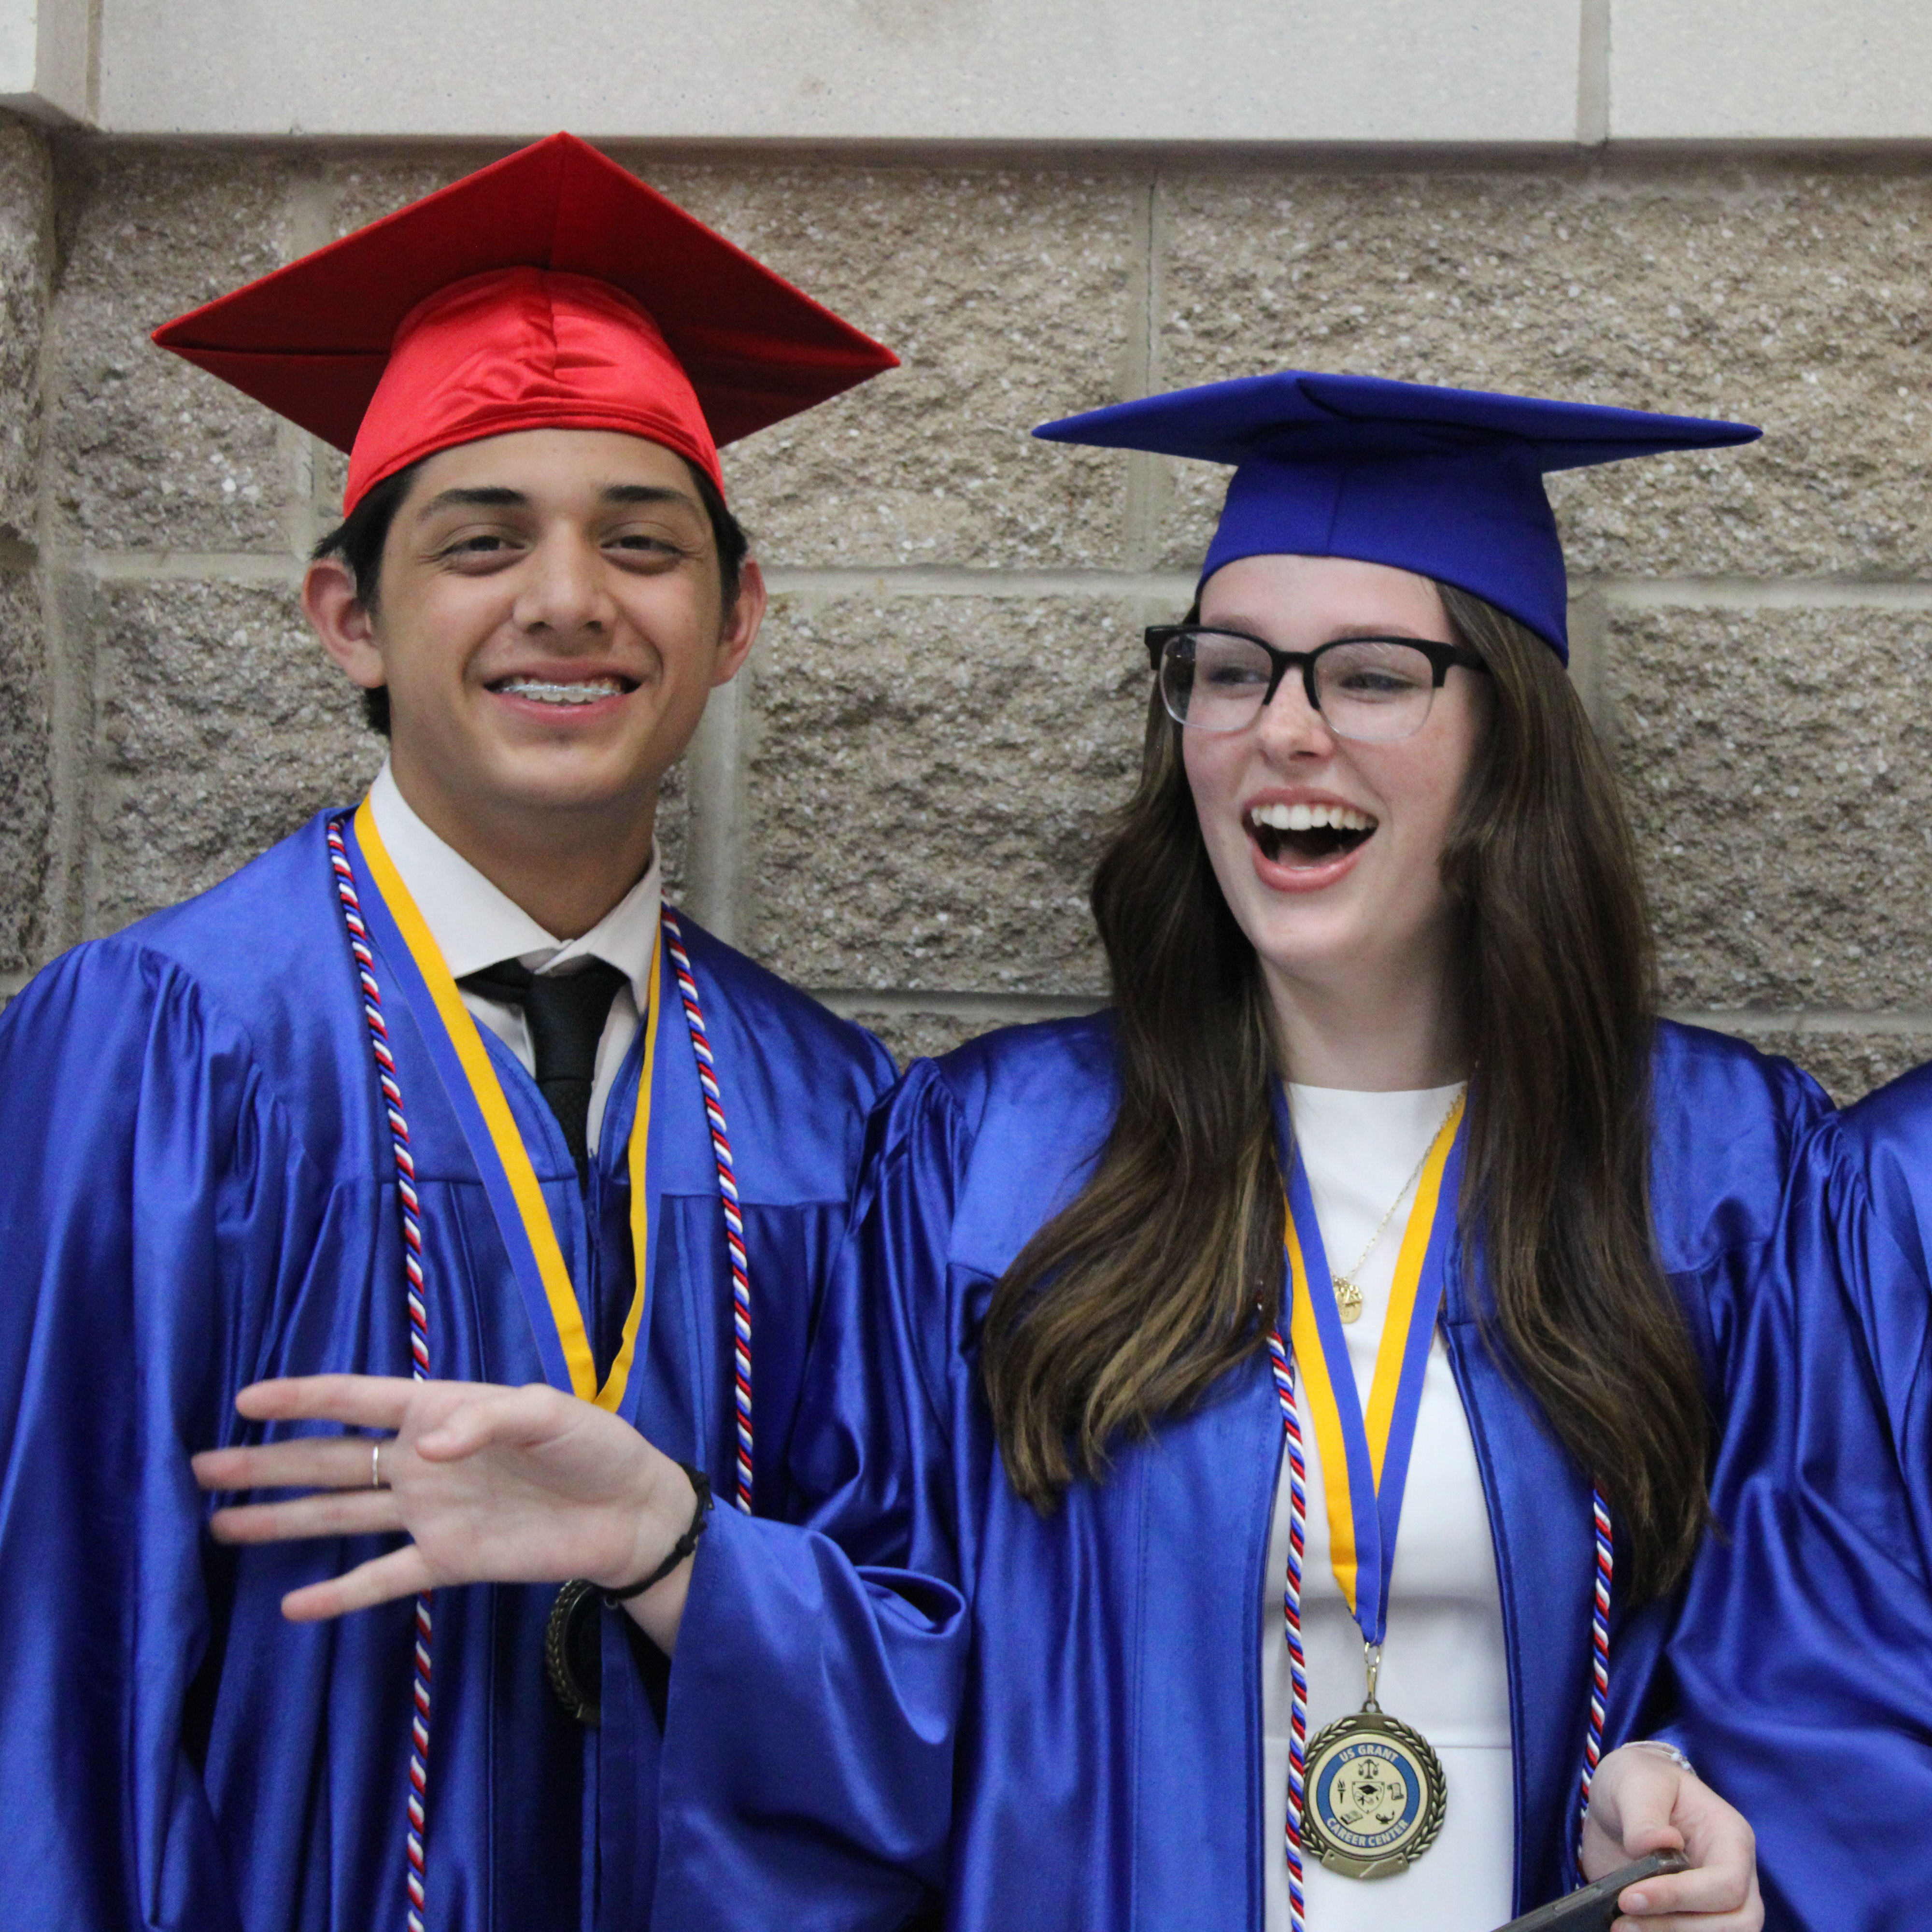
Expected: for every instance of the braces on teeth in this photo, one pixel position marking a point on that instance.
(545, 692)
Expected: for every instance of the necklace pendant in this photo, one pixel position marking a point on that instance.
(1376, 1795)
(1348, 1299)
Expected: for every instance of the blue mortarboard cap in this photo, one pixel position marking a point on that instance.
(1447, 483)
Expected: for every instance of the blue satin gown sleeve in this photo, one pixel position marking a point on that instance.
(1799, 1671)
(123, 1332)
(1876, 1175)
(807, 1771)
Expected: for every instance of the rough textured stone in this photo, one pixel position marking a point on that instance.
(673, 833)
(223, 727)
(1776, 768)
(25, 781)
(148, 453)
(916, 1035)
(911, 1037)
(1007, 297)
(930, 774)
(928, 786)
(26, 249)
(1846, 1062)
(1795, 300)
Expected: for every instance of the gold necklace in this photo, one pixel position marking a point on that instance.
(1348, 1295)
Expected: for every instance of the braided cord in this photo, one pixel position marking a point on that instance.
(1279, 1360)
(728, 1193)
(1600, 1654)
(418, 1315)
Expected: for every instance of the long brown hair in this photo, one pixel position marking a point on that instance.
(1165, 1270)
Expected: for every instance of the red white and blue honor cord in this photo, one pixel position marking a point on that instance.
(1283, 1366)
(1600, 1654)
(419, 1316)
(728, 1193)
(417, 1296)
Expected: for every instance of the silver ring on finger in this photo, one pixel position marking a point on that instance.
(376, 1465)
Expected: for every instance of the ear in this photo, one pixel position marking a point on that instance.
(741, 626)
(340, 619)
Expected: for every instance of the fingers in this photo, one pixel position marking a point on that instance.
(305, 1463)
(494, 1415)
(1647, 1788)
(1658, 1805)
(403, 1572)
(366, 1402)
(1643, 1834)
(1694, 1895)
(1719, 1891)
(1748, 1918)
(335, 1513)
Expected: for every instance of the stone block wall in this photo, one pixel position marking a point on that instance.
(27, 731)
(899, 805)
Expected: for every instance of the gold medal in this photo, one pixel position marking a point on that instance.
(1376, 1795)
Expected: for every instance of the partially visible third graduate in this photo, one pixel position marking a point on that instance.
(437, 1088)
(1332, 1441)
(1869, 1215)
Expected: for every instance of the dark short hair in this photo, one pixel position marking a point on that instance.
(360, 539)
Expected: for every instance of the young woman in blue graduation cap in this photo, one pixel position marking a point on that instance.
(1348, 1382)
(1325, 1442)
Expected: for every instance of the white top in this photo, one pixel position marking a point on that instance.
(477, 925)
(1443, 1671)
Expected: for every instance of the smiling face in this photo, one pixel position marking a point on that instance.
(1328, 851)
(550, 622)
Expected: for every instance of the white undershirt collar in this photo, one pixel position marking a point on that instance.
(476, 924)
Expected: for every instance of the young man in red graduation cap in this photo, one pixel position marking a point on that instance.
(439, 1087)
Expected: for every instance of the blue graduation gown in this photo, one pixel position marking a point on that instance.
(1056, 1721)
(201, 1193)
(1873, 1181)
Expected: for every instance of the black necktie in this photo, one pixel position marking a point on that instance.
(566, 1012)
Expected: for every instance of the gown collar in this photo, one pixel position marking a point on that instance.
(476, 924)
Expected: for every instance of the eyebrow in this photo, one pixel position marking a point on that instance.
(498, 497)
(1252, 628)
(646, 493)
(484, 499)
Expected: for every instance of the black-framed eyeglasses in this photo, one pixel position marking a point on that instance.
(1371, 689)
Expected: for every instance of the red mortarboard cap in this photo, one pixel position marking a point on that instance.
(550, 290)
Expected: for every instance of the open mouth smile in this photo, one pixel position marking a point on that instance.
(1307, 834)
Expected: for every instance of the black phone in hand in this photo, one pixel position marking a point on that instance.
(1594, 1907)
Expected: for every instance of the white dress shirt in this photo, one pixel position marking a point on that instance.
(1443, 1671)
(477, 925)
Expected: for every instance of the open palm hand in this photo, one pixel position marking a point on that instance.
(490, 1485)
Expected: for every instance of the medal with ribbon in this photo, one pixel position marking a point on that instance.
(1372, 1794)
